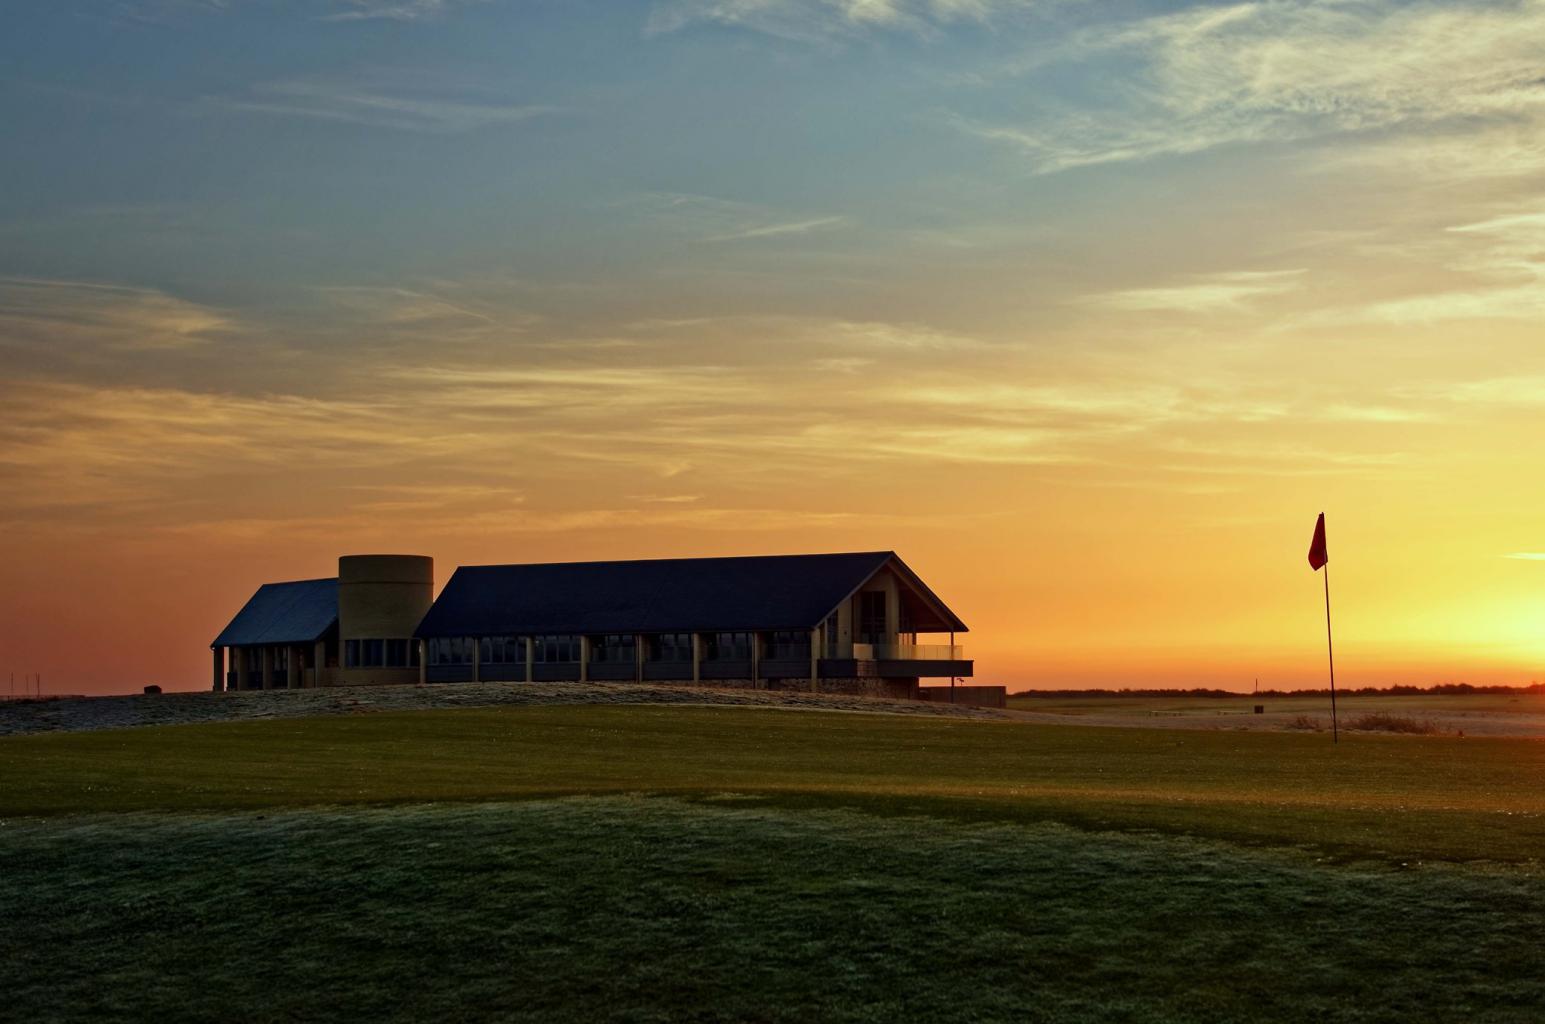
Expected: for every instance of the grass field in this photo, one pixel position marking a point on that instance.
(1415, 704)
(654, 863)
(1437, 706)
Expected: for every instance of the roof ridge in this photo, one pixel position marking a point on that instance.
(684, 558)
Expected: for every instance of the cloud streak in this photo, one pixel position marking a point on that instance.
(1211, 76)
(49, 313)
(379, 106)
(824, 20)
(394, 10)
(1228, 292)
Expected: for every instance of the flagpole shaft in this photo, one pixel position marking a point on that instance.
(1330, 650)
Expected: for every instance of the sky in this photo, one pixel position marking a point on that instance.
(1085, 309)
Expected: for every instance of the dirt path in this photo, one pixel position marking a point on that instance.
(85, 713)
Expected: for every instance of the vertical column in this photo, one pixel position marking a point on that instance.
(268, 667)
(477, 660)
(892, 611)
(638, 657)
(240, 656)
(697, 658)
(845, 629)
(584, 658)
(423, 661)
(219, 680)
(756, 661)
(294, 678)
(815, 654)
(530, 655)
(318, 662)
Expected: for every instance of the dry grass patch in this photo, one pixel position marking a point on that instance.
(1385, 722)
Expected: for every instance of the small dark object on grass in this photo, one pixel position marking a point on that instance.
(1260, 709)
(152, 690)
(1383, 721)
(1306, 723)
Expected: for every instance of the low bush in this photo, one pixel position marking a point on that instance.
(1383, 721)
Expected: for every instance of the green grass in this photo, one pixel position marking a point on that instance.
(1382, 797)
(1413, 704)
(641, 910)
(642, 864)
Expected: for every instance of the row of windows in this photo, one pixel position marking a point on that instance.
(278, 659)
(615, 648)
(390, 653)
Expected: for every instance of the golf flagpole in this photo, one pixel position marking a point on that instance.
(1319, 561)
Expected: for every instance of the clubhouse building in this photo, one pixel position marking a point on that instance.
(842, 623)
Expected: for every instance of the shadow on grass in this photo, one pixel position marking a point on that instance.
(654, 909)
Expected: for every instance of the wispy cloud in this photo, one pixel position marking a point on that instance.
(397, 305)
(165, 12)
(1522, 389)
(1208, 76)
(1502, 262)
(797, 227)
(1230, 292)
(1527, 556)
(394, 10)
(446, 109)
(711, 219)
(54, 313)
(823, 20)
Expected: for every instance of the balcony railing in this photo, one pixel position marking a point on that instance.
(909, 652)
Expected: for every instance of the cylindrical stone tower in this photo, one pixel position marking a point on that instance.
(381, 599)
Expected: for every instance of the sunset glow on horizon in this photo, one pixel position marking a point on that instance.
(1086, 311)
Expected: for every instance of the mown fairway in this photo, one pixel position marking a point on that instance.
(1392, 798)
(645, 863)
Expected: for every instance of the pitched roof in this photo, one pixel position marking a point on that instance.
(284, 613)
(655, 596)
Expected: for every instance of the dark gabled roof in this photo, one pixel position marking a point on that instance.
(656, 596)
(284, 613)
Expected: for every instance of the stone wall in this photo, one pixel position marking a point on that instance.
(974, 696)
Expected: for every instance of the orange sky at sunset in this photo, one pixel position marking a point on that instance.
(1091, 367)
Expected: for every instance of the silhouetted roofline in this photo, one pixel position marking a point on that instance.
(291, 612)
(718, 594)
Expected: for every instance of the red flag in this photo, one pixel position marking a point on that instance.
(1317, 555)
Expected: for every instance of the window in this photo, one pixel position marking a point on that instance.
(503, 650)
(450, 650)
(555, 648)
(397, 652)
(729, 646)
(670, 647)
(871, 617)
(613, 648)
(789, 644)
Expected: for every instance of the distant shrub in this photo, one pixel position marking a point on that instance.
(1383, 721)
(1305, 722)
